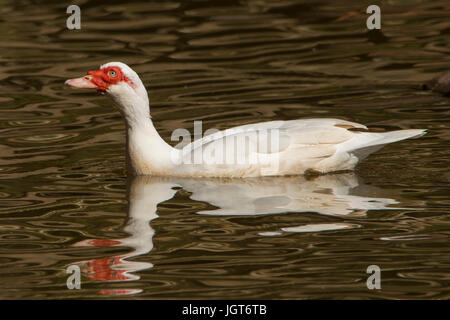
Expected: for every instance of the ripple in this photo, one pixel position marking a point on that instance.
(320, 227)
(55, 137)
(32, 122)
(270, 233)
(411, 237)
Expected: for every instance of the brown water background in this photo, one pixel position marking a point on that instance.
(63, 188)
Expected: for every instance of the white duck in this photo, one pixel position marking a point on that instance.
(261, 149)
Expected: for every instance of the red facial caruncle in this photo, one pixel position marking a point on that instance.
(100, 79)
(105, 77)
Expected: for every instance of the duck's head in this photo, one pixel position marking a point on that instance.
(117, 80)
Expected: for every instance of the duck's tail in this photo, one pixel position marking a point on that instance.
(394, 136)
(370, 142)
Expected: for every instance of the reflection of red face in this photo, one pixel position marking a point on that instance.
(103, 78)
(102, 269)
(118, 292)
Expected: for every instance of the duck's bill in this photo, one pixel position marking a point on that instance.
(83, 82)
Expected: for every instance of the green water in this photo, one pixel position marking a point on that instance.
(65, 198)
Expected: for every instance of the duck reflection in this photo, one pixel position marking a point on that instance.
(337, 195)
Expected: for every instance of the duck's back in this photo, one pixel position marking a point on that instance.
(284, 148)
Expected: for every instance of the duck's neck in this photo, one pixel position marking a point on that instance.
(147, 152)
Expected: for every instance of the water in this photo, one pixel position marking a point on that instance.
(63, 188)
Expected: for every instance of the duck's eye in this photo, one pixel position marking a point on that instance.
(112, 73)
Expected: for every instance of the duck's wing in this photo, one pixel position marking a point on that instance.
(316, 136)
(288, 147)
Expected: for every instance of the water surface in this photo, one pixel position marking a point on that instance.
(65, 198)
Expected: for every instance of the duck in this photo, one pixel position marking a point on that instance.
(272, 148)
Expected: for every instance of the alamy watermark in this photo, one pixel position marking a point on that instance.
(373, 281)
(74, 280)
(374, 20)
(74, 20)
(247, 145)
